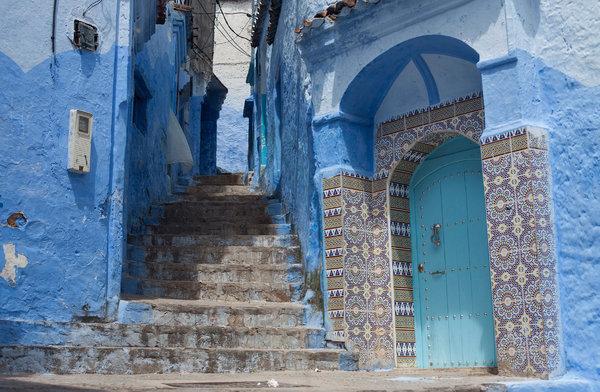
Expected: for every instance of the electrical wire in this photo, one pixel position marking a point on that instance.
(242, 29)
(230, 40)
(92, 5)
(199, 50)
(228, 25)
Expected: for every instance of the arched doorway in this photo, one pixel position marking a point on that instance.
(452, 287)
(367, 217)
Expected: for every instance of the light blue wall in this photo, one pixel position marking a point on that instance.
(71, 239)
(522, 89)
(291, 169)
(538, 84)
(77, 224)
(159, 62)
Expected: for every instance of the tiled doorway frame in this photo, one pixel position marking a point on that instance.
(367, 242)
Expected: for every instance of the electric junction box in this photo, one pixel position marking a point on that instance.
(85, 36)
(81, 125)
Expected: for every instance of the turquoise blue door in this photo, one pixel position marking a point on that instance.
(453, 300)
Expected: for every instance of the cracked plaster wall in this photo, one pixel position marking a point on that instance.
(71, 219)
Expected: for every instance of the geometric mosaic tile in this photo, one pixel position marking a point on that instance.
(523, 261)
(366, 232)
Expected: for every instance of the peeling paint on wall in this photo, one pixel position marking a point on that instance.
(16, 220)
(12, 261)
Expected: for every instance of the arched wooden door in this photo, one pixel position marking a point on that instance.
(453, 300)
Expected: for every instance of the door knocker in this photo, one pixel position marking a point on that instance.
(435, 237)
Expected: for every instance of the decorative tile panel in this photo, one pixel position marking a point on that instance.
(334, 252)
(412, 138)
(523, 262)
(368, 248)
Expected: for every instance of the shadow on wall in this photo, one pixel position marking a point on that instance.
(529, 10)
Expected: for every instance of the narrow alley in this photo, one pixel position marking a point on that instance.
(301, 195)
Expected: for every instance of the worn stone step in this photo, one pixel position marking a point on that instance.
(126, 360)
(187, 211)
(214, 254)
(184, 240)
(168, 336)
(221, 179)
(215, 205)
(196, 220)
(221, 197)
(234, 190)
(228, 291)
(216, 273)
(186, 217)
(220, 228)
(162, 311)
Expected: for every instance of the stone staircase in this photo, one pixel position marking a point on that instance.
(215, 286)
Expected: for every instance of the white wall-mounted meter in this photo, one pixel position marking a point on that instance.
(81, 125)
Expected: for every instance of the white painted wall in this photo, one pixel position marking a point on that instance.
(562, 34)
(454, 78)
(231, 67)
(29, 44)
(408, 92)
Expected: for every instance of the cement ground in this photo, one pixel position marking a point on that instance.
(457, 381)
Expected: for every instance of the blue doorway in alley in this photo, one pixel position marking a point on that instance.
(452, 287)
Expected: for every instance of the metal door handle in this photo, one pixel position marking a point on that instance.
(421, 267)
(435, 237)
(439, 273)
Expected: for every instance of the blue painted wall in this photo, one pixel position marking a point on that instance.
(76, 225)
(523, 89)
(72, 219)
(539, 84)
(159, 63)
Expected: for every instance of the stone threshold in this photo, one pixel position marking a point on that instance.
(398, 380)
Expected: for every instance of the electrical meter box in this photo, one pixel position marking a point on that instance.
(81, 125)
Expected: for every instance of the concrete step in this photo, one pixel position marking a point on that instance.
(214, 254)
(216, 273)
(161, 311)
(233, 190)
(225, 229)
(169, 336)
(229, 291)
(186, 240)
(221, 179)
(125, 360)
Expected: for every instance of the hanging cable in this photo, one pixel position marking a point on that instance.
(230, 40)
(228, 25)
(92, 5)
